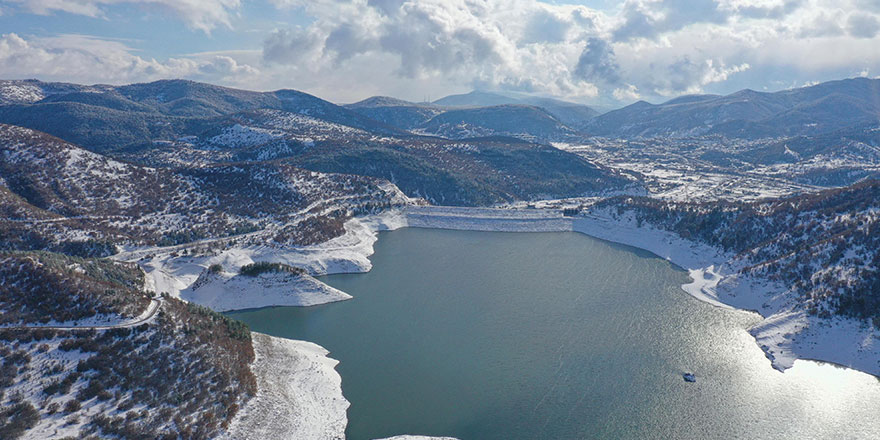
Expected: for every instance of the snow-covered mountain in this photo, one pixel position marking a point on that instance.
(177, 123)
(805, 111)
(87, 352)
(29, 91)
(824, 247)
(466, 172)
(569, 113)
(204, 187)
(108, 118)
(481, 114)
(395, 112)
(523, 122)
(60, 194)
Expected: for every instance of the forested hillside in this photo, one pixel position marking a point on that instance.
(182, 374)
(824, 246)
(171, 124)
(61, 197)
(749, 114)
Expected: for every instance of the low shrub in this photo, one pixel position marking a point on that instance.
(262, 267)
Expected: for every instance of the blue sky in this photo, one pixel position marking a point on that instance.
(601, 52)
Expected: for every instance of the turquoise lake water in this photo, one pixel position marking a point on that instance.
(489, 335)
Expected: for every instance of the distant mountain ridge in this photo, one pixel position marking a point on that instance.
(186, 124)
(474, 171)
(479, 114)
(106, 118)
(569, 113)
(748, 114)
(521, 121)
(92, 115)
(396, 112)
(113, 118)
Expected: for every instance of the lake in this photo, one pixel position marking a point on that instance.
(490, 335)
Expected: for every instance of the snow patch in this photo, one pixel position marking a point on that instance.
(299, 394)
(229, 291)
(179, 276)
(416, 437)
(240, 136)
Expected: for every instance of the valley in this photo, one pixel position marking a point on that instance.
(220, 200)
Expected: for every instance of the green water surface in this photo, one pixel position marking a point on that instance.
(483, 335)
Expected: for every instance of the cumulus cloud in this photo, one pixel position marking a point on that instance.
(862, 25)
(563, 50)
(823, 24)
(626, 94)
(650, 18)
(348, 49)
(85, 59)
(544, 26)
(760, 8)
(222, 66)
(203, 15)
(648, 49)
(688, 76)
(596, 63)
(518, 44)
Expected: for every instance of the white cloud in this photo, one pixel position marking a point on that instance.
(203, 15)
(350, 49)
(627, 94)
(563, 50)
(222, 66)
(863, 25)
(597, 63)
(522, 45)
(84, 59)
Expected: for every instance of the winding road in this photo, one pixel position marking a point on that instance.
(146, 316)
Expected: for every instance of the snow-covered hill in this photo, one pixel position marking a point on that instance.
(62, 194)
(183, 373)
(749, 114)
(823, 247)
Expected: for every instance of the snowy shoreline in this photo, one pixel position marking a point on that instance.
(299, 394)
(785, 334)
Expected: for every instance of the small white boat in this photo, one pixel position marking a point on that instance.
(689, 377)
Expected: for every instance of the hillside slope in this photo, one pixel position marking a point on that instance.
(109, 118)
(569, 113)
(183, 374)
(395, 112)
(188, 125)
(61, 195)
(467, 172)
(823, 247)
(525, 122)
(805, 111)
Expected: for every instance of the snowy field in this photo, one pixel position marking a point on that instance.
(701, 170)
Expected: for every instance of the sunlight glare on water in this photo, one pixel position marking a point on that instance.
(557, 336)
